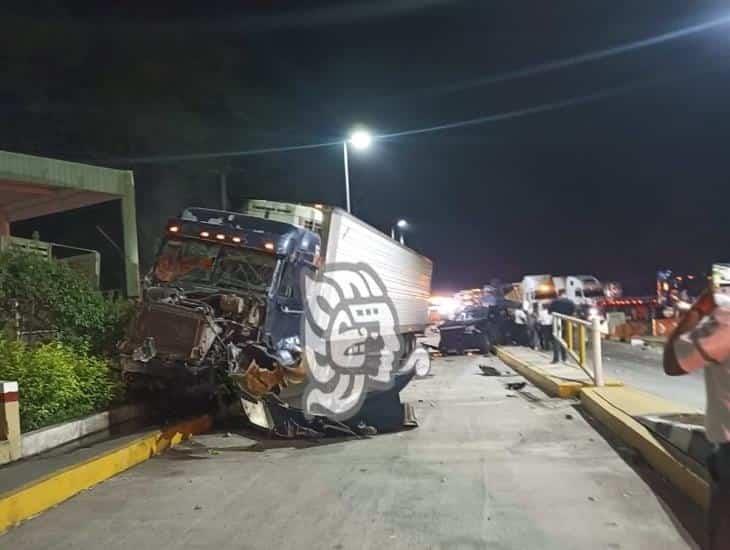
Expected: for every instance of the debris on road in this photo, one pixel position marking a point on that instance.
(569, 417)
(489, 370)
(516, 385)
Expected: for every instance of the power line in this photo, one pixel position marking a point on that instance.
(579, 59)
(225, 154)
(545, 107)
(521, 73)
(485, 119)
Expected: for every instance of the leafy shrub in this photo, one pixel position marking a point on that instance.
(57, 382)
(52, 296)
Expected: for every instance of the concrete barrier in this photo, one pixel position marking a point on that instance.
(44, 439)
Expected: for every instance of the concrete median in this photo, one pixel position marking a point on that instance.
(559, 380)
(52, 487)
(618, 410)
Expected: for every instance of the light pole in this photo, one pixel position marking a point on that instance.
(359, 139)
(402, 225)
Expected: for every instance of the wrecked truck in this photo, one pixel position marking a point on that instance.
(225, 300)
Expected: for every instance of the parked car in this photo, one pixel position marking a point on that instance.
(469, 330)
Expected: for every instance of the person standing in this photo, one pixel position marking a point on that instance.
(564, 306)
(545, 328)
(702, 341)
(520, 327)
(533, 336)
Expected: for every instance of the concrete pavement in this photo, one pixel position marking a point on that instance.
(488, 468)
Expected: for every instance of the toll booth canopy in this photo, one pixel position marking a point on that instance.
(32, 186)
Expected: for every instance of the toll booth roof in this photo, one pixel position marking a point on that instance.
(33, 186)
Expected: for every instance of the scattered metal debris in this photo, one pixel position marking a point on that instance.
(516, 386)
(488, 370)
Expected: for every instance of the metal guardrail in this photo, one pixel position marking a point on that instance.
(575, 342)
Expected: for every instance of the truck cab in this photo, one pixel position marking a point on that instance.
(538, 291)
(584, 289)
(221, 282)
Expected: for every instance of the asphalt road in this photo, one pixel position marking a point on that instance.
(488, 468)
(641, 367)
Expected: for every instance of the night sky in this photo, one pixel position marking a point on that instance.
(635, 179)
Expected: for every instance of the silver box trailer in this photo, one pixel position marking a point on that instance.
(405, 273)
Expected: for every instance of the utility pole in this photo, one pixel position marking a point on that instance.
(223, 177)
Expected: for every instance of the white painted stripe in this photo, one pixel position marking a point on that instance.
(8, 387)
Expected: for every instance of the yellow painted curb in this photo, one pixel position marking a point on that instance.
(41, 494)
(600, 403)
(551, 385)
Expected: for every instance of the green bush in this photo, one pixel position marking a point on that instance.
(52, 296)
(57, 382)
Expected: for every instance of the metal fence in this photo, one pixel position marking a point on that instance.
(572, 334)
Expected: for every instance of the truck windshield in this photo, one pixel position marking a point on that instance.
(545, 294)
(593, 292)
(213, 264)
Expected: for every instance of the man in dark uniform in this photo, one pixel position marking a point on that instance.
(564, 306)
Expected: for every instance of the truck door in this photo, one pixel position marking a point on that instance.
(285, 310)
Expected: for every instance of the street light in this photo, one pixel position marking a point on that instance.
(360, 139)
(402, 225)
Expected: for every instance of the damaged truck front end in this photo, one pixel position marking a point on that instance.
(205, 306)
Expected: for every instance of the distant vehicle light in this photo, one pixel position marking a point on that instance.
(269, 246)
(236, 239)
(174, 228)
(204, 234)
(318, 205)
(220, 236)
